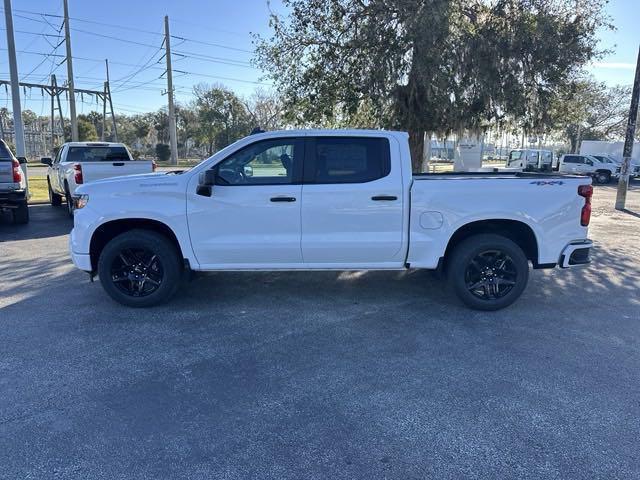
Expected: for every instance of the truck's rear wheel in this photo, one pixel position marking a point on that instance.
(488, 272)
(21, 214)
(140, 268)
(54, 198)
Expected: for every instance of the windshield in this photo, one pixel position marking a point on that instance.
(97, 154)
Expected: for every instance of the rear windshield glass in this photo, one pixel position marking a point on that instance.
(515, 155)
(97, 154)
(5, 154)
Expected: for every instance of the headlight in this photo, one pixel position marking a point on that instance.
(80, 201)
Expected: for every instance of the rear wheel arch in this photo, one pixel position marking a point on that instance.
(109, 230)
(517, 231)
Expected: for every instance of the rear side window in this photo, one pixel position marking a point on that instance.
(349, 159)
(5, 154)
(97, 154)
(571, 159)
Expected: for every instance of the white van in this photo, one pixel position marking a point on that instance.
(531, 159)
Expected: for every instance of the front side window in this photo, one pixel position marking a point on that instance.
(350, 160)
(269, 162)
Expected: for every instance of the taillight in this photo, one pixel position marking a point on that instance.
(154, 165)
(17, 171)
(585, 191)
(77, 173)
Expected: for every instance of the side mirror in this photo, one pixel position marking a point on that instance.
(22, 160)
(206, 181)
(46, 161)
(248, 171)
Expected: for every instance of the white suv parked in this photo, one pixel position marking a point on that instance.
(588, 165)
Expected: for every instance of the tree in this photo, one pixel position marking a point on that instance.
(591, 110)
(222, 117)
(427, 65)
(265, 109)
(163, 152)
(86, 130)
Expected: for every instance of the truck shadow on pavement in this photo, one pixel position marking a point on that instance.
(45, 221)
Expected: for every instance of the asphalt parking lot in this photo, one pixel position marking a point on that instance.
(320, 375)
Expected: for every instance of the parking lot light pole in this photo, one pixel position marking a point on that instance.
(623, 183)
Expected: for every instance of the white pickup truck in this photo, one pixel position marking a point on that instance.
(78, 163)
(328, 200)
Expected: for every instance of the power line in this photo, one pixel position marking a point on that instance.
(211, 44)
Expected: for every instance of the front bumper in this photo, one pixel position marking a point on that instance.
(82, 261)
(576, 253)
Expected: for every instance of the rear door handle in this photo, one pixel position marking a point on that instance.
(384, 198)
(118, 164)
(283, 199)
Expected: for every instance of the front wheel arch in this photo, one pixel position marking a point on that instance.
(109, 230)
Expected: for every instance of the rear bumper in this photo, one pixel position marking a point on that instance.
(576, 253)
(11, 198)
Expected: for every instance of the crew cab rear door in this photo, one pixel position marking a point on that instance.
(352, 203)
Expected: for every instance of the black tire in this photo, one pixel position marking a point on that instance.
(487, 271)
(67, 196)
(21, 214)
(54, 198)
(140, 268)
(602, 178)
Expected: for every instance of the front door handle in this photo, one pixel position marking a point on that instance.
(118, 164)
(384, 198)
(283, 199)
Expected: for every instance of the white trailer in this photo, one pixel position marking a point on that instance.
(613, 149)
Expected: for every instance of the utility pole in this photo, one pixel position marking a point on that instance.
(107, 91)
(72, 96)
(15, 86)
(172, 114)
(623, 183)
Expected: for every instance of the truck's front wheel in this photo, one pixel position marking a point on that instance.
(140, 268)
(488, 272)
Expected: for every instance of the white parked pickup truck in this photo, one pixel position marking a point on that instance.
(602, 172)
(82, 162)
(328, 200)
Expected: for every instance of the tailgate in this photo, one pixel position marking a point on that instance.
(92, 171)
(6, 171)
